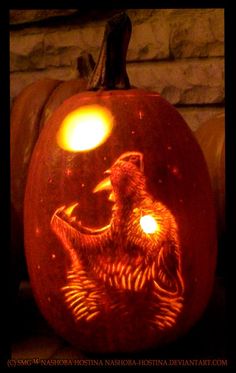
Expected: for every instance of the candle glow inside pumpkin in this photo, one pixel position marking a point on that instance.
(148, 224)
(85, 128)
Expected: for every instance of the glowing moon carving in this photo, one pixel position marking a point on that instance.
(85, 128)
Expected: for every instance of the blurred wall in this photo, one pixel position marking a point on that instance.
(177, 52)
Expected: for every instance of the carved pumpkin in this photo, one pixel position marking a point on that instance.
(211, 137)
(122, 261)
(30, 111)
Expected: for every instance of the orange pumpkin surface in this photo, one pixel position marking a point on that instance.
(30, 111)
(211, 138)
(123, 261)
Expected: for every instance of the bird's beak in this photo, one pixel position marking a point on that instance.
(105, 184)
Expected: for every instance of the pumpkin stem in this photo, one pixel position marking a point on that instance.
(110, 70)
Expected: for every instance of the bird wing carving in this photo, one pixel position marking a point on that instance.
(136, 255)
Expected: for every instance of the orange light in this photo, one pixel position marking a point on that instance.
(148, 224)
(85, 128)
(68, 211)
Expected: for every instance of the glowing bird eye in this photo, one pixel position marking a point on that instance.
(148, 224)
(85, 128)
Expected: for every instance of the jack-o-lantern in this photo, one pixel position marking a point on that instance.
(122, 261)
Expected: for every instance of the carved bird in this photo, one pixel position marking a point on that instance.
(137, 256)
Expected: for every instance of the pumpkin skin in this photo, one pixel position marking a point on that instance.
(176, 175)
(27, 120)
(211, 138)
